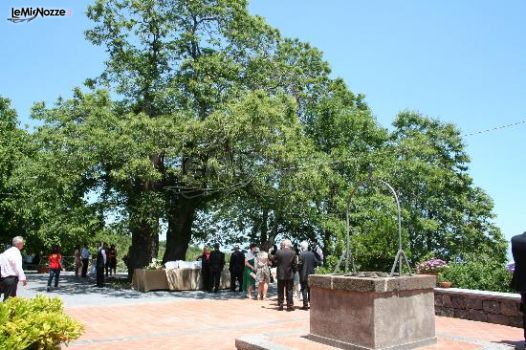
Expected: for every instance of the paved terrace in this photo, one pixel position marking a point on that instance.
(119, 318)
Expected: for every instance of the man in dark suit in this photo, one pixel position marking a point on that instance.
(101, 263)
(518, 282)
(285, 259)
(236, 267)
(308, 262)
(217, 263)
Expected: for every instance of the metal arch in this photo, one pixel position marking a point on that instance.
(400, 255)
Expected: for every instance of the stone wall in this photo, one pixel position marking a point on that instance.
(492, 307)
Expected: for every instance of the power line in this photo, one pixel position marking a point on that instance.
(397, 150)
(506, 126)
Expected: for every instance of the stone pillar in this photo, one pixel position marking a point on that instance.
(366, 313)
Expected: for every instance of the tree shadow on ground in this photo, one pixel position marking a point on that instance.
(120, 288)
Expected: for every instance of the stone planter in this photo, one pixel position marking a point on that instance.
(367, 313)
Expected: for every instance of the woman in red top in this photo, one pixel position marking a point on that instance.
(55, 265)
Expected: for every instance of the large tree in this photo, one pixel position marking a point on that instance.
(13, 150)
(194, 58)
(106, 155)
(204, 116)
(445, 212)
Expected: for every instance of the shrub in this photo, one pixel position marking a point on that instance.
(36, 324)
(481, 274)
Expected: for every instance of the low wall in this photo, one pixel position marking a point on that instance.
(492, 307)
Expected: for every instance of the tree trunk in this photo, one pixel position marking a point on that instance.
(144, 227)
(264, 227)
(145, 245)
(180, 219)
(274, 230)
(326, 242)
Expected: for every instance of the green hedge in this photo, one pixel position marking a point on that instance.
(36, 324)
(481, 275)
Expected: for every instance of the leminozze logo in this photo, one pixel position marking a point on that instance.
(27, 14)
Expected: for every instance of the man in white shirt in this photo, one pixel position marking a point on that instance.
(11, 268)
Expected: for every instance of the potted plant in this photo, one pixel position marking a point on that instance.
(443, 282)
(156, 264)
(431, 267)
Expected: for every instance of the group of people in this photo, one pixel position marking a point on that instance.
(11, 271)
(251, 273)
(107, 259)
(105, 263)
(289, 262)
(212, 264)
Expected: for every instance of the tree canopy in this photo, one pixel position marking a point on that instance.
(208, 124)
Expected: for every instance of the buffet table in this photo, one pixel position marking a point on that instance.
(146, 280)
(173, 279)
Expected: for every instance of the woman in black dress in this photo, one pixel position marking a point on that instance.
(205, 269)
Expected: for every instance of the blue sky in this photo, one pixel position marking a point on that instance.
(458, 61)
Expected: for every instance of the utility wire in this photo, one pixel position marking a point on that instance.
(506, 126)
(397, 150)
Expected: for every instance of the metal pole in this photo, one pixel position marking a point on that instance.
(348, 245)
(347, 254)
(400, 254)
